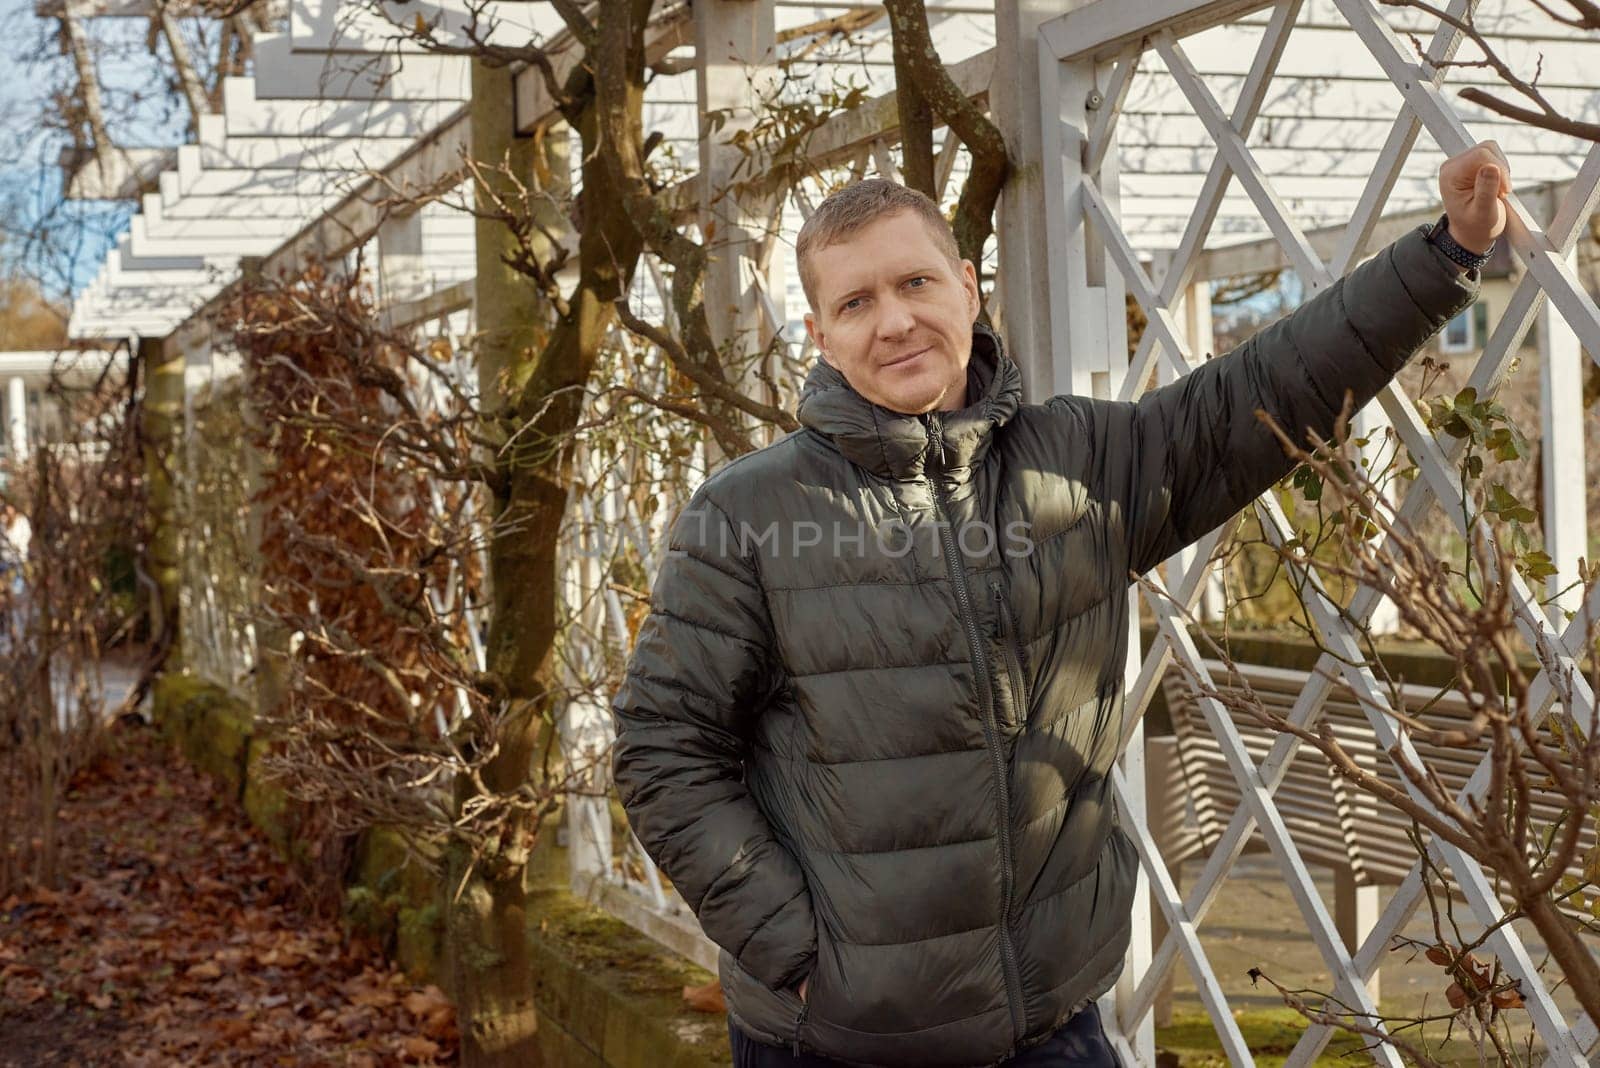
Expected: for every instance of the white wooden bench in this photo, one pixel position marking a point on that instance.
(1367, 844)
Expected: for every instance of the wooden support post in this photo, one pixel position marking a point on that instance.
(272, 637)
(17, 418)
(1561, 454)
(1356, 908)
(1076, 338)
(1082, 317)
(1373, 424)
(402, 266)
(509, 312)
(162, 417)
(1014, 105)
(1164, 817)
(735, 50)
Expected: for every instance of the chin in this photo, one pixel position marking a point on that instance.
(909, 406)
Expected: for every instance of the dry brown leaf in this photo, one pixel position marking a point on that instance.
(1482, 971)
(425, 1002)
(418, 1048)
(206, 969)
(374, 998)
(707, 998)
(1509, 998)
(441, 1025)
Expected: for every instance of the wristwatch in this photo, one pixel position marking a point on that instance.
(1439, 234)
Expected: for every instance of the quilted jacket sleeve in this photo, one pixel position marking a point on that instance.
(1194, 449)
(700, 673)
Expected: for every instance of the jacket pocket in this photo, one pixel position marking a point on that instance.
(769, 1015)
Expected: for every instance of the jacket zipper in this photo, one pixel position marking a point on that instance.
(991, 731)
(800, 1022)
(1008, 634)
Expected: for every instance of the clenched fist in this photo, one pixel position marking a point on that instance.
(1472, 187)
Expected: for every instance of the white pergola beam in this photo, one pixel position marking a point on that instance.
(243, 205)
(1100, 30)
(159, 222)
(192, 179)
(246, 115)
(282, 72)
(144, 242)
(385, 27)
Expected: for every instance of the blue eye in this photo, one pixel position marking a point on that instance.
(850, 305)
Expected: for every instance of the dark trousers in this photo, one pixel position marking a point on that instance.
(1079, 1043)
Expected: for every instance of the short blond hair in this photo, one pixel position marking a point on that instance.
(858, 204)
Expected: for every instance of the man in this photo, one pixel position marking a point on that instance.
(868, 725)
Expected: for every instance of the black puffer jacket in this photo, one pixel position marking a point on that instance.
(868, 724)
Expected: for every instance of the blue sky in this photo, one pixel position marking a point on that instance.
(61, 244)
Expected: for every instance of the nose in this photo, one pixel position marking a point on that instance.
(894, 318)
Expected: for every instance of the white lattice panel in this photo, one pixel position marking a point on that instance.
(1081, 97)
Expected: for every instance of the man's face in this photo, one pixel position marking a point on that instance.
(895, 316)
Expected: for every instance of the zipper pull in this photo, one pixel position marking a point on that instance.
(805, 1007)
(936, 432)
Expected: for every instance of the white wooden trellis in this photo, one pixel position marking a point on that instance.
(1089, 247)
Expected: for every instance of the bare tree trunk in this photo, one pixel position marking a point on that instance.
(183, 64)
(916, 123)
(88, 88)
(917, 62)
(536, 365)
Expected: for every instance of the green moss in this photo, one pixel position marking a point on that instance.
(209, 725)
(396, 901)
(267, 803)
(1271, 1033)
(611, 987)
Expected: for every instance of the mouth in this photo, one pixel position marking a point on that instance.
(907, 358)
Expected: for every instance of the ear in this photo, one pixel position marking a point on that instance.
(969, 285)
(815, 332)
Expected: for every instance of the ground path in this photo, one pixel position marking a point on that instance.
(176, 939)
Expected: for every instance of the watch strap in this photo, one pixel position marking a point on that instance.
(1439, 235)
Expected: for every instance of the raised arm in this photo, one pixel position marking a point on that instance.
(1187, 456)
(700, 673)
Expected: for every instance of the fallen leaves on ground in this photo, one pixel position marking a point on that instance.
(177, 939)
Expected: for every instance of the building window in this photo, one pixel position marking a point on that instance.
(1457, 335)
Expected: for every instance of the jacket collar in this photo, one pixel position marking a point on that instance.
(894, 445)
